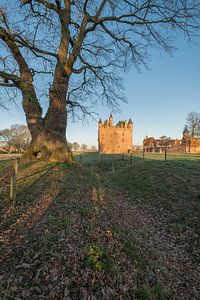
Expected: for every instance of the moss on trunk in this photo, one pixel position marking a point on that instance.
(49, 146)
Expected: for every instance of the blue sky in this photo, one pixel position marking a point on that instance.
(159, 99)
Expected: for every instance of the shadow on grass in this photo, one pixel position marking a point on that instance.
(169, 190)
(60, 236)
(33, 198)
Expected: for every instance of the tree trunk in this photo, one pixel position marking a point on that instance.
(49, 145)
(49, 133)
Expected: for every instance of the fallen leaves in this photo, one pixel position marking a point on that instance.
(75, 237)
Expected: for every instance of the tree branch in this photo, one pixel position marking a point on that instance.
(14, 78)
(47, 4)
(25, 43)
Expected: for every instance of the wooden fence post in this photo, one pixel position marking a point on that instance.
(143, 153)
(13, 183)
(165, 155)
(131, 158)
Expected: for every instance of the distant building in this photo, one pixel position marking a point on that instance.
(190, 144)
(151, 144)
(187, 144)
(138, 148)
(115, 139)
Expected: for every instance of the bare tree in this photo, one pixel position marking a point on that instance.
(21, 137)
(75, 146)
(84, 147)
(164, 140)
(193, 123)
(17, 138)
(69, 54)
(70, 146)
(6, 137)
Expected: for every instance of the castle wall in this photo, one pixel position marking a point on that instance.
(115, 139)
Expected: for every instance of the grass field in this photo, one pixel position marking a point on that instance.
(111, 228)
(96, 157)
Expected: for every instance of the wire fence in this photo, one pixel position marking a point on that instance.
(129, 158)
(8, 181)
(9, 178)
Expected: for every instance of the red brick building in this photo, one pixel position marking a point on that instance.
(187, 144)
(151, 144)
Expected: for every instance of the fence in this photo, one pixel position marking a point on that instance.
(129, 158)
(10, 180)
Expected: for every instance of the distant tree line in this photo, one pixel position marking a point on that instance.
(83, 147)
(17, 138)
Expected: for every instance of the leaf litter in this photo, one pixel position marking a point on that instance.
(74, 237)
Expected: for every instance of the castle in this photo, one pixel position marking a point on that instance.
(115, 139)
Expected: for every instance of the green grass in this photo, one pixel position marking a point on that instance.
(5, 166)
(131, 248)
(85, 210)
(68, 223)
(142, 293)
(64, 223)
(88, 158)
(98, 258)
(161, 292)
(169, 187)
(80, 237)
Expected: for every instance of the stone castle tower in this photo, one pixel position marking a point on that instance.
(115, 139)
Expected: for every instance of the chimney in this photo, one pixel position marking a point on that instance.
(111, 120)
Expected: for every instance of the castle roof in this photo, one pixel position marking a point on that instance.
(185, 131)
(120, 123)
(149, 139)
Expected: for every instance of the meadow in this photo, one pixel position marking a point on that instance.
(110, 227)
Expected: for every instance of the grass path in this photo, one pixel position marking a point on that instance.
(90, 233)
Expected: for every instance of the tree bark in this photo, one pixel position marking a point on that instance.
(49, 145)
(49, 133)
